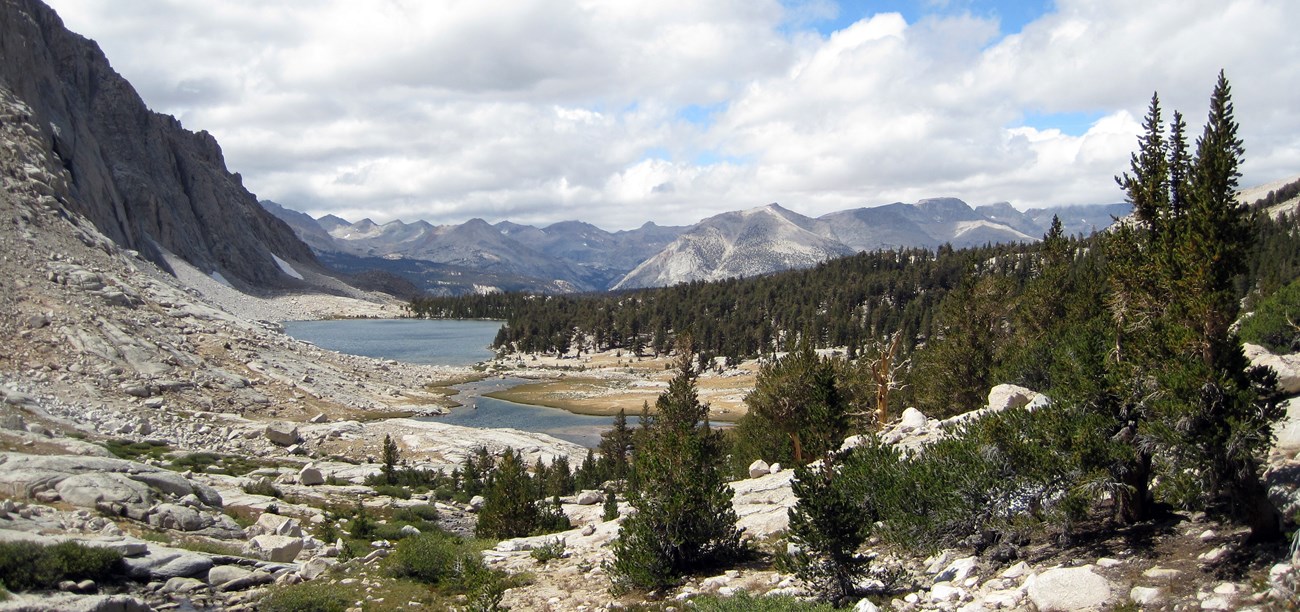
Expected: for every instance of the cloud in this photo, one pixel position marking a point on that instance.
(621, 112)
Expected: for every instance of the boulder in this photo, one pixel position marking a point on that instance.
(222, 574)
(409, 531)
(476, 503)
(1286, 366)
(865, 605)
(1004, 397)
(162, 564)
(912, 419)
(1069, 589)
(275, 524)
(590, 498)
(90, 489)
(313, 569)
(759, 468)
(958, 570)
(282, 434)
(310, 475)
(180, 518)
(252, 579)
(1145, 596)
(278, 548)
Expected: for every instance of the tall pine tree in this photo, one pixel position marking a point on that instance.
(684, 519)
(1182, 390)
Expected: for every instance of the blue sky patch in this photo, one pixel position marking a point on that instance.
(1012, 15)
(1073, 123)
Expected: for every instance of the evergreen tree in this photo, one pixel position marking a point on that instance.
(799, 395)
(508, 508)
(684, 519)
(1182, 389)
(616, 446)
(390, 460)
(828, 524)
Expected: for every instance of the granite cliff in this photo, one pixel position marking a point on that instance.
(143, 180)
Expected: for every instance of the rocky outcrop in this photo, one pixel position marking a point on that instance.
(142, 180)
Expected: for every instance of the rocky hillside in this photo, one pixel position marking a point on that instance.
(771, 238)
(474, 256)
(137, 176)
(746, 243)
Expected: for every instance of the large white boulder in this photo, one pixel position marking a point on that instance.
(278, 548)
(310, 475)
(1006, 397)
(912, 419)
(1286, 366)
(282, 434)
(1069, 589)
(275, 524)
(759, 468)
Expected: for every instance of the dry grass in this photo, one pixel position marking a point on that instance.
(608, 382)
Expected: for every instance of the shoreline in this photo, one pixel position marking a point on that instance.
(534, 394)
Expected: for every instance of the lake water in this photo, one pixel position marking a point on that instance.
(458, 343)
(441, 342)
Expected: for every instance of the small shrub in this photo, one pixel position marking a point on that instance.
(552, 549)
(308, 597)
(416, 514)
(134, 450)
(363, 526)
(744, 602)
(30, 565)
(393, 491)
(610, 509)
(435, 559)
(261, 486)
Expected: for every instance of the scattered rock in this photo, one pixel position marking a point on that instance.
(759, 468)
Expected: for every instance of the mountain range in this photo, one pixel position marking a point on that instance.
(574, 256)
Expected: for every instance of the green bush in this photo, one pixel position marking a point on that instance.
(394, 491)
(744, 602)
(308, 597)
(416, 514)
(552, 549)
(131, 449)
(261, 486)
(1271, 325)
(440, 560)
(30, 565)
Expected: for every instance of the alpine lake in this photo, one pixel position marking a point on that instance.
(451, 343)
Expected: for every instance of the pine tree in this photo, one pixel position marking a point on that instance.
(800, 396)
(684, 519)
(616, 446)
(828, 524)
(390, 460)
(508, 508)
(1182, 387)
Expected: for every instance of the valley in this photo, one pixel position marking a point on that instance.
(919, 406)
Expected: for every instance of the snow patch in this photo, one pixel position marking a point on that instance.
(286, 268)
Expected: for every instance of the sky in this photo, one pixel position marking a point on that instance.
(621, 112)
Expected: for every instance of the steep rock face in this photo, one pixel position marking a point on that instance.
(141, 178)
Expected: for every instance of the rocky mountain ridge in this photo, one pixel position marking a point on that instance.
(577, 256)
(139, 177)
